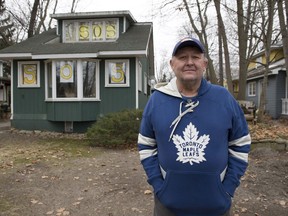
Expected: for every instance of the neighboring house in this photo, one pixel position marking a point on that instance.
(277, 90)
(5, 90)
(91, 64)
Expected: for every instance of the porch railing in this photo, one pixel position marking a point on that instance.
(284, 106)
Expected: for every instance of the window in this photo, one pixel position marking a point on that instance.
(91, 30)
(117, 73)
(89, 79)
(28, 74)
(72, 80)
(251, 88)
(66, 79)
(49, 79)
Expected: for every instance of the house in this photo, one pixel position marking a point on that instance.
(91, 64)
(5, 92)
(277, 90)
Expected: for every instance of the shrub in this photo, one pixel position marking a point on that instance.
(119, 129)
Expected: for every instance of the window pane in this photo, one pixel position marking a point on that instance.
(84, 33)
(66, 79)
(117, 72)
(89, 79)
(111, 31)
(28, 74)
(97, 28)
(49, 79)
(70, 32)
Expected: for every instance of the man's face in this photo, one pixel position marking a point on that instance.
(188, 64)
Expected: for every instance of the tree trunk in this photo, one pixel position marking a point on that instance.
(221, 78)
(225, 46)
(242, 40)
(32, 22)
(267, 35)
(43, 16)
(284, 31)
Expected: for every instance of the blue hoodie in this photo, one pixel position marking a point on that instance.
(194, 150)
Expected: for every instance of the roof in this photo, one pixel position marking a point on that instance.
(274, 68)
(91, 15)
(273, 47)
(134, 42)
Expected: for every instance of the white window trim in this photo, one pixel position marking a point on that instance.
(140, 77)
(79, 81)
(145, 83)
(20, 77)
(127, 73)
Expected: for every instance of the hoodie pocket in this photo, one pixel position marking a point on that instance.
(194, 192)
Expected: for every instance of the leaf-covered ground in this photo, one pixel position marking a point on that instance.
(43, 174)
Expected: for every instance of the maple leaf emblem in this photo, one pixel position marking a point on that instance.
(190, 147)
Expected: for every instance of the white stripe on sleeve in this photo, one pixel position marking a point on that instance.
(146, 153)
(146, 141)
(245, 140)
(239, 155)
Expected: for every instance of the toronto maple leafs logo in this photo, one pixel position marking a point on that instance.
(190, 147)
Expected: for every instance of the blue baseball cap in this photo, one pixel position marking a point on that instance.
(188, 41)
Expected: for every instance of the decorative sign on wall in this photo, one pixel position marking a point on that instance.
(117, 73)
(28, 74)
(93, 30)
(66, 72)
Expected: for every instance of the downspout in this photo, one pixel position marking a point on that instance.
(136, 84)
(12, 88)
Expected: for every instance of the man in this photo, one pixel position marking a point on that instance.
(194, 140)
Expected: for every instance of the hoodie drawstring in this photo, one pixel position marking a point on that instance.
(190, 106)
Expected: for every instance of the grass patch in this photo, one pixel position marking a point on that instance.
(45, 150)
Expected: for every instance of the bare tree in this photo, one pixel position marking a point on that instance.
(284, 30)
(33, 19)
(222, 35)
(43, 12)
(267, 31)
(243, 31)
(202, 34)
(74, 6)
(7, 28)
(220, 53)
(54, 10)
(164, 73)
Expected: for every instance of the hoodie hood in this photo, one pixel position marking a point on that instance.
(172, 89)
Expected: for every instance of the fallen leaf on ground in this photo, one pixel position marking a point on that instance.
(147, 192)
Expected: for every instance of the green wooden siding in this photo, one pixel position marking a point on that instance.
(28, 101)
(32, 112)
(72, 111)
(115, 99)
